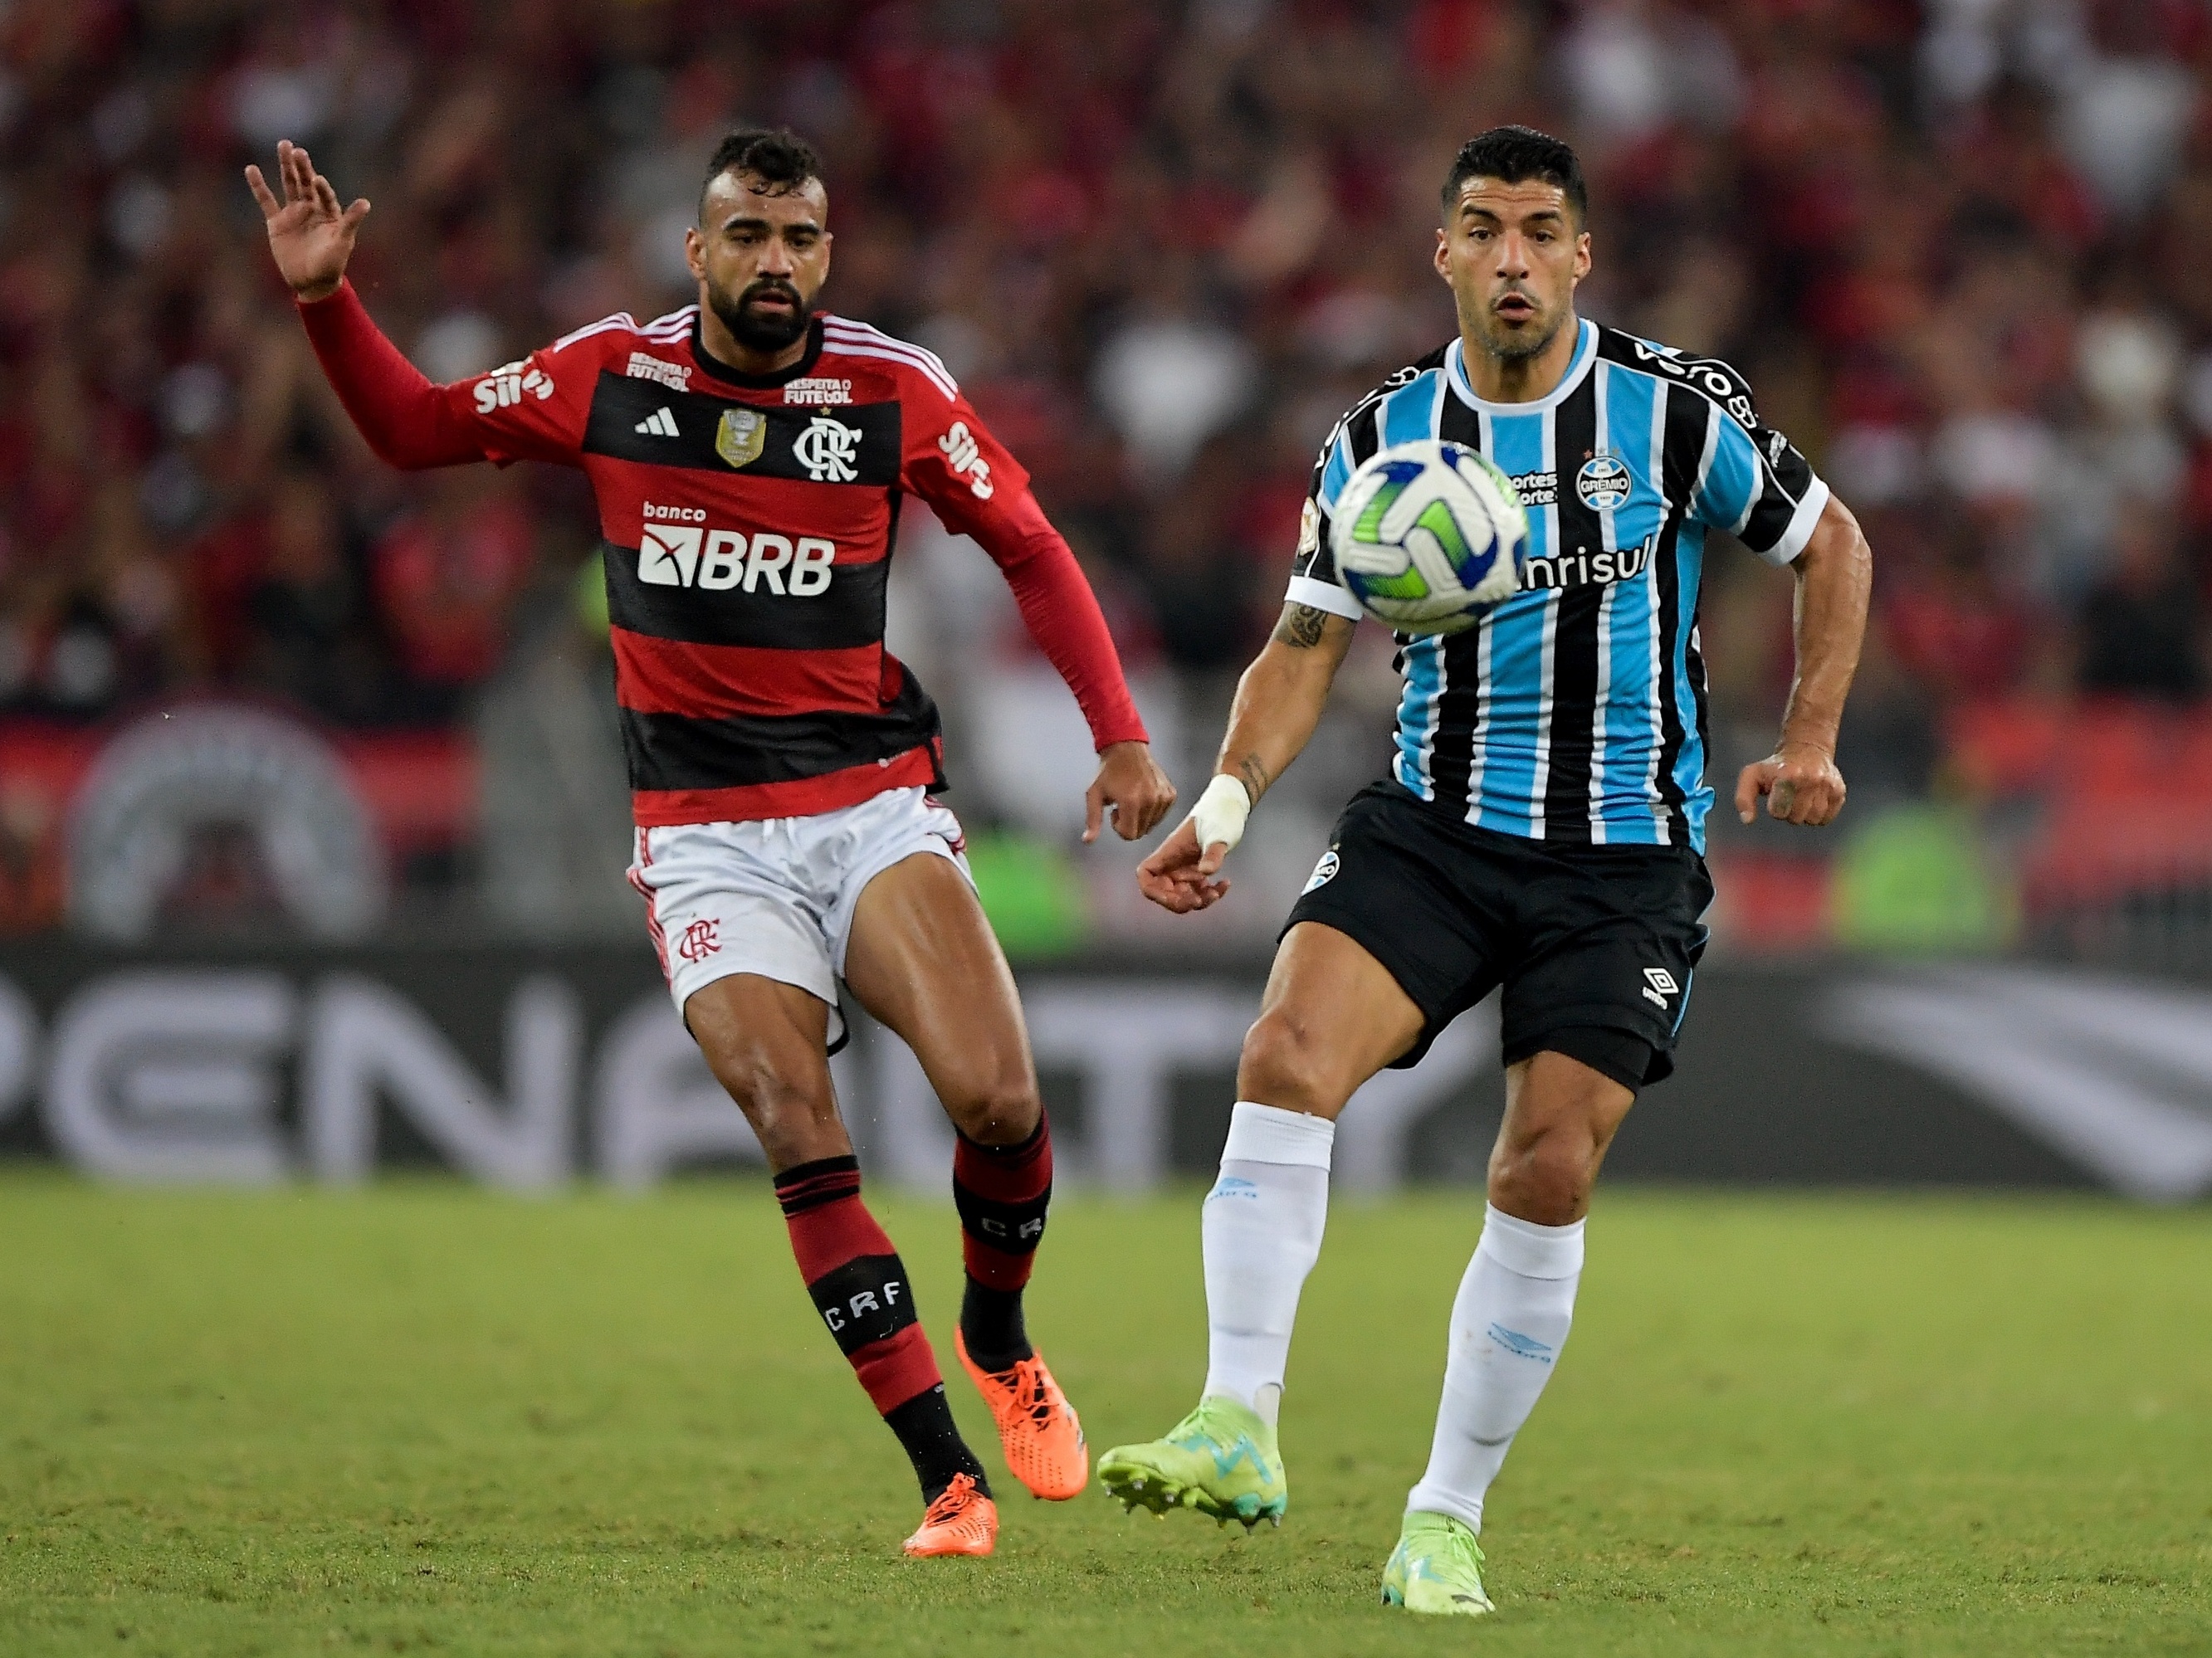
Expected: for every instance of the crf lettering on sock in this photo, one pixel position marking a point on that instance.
(1003, 1194)
(859, 1287)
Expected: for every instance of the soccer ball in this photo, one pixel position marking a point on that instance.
(1429, 537)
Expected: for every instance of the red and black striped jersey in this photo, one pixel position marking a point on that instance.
(748, 525)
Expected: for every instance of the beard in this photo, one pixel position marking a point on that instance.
(763, 331)
(1532, 339)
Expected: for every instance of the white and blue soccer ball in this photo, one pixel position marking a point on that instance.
(1429, 537)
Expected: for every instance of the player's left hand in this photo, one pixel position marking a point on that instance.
(1131, 782)
(1800, 782)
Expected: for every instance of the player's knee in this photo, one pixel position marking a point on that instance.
(788, 1114)
(996, 1109)
(1284, 1065)
(1547, 1179)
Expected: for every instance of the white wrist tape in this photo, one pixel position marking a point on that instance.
(1219, 814)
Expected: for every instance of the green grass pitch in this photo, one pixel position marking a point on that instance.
(420, 1418)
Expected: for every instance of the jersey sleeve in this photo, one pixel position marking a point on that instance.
(535, 408)
(969, 479)
(977, 489)
(1751, 479)
(1313, 580)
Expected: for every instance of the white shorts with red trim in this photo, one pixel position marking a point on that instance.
(776, 896)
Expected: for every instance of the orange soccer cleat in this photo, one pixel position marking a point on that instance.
(1037, 1428)
(962, 1521)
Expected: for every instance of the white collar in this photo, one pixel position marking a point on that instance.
(1577, 367)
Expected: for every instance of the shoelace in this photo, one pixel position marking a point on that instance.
(1031, 1396)
(951, 1503)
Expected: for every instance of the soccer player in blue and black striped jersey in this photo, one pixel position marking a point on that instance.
(1541, 829)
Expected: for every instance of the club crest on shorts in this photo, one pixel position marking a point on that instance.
(700, 939)
(1603, 483)
(741, 436)
(1324, 871)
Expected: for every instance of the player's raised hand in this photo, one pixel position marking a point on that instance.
(309, 233)
(1131, 781)
(1178, 876)
(1800, 782)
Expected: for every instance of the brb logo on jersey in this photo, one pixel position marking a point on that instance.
(1603, 483)
(676, 550)
(827, 449)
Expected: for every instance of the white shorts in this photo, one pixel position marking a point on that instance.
(775, 897)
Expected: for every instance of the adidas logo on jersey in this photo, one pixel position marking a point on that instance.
(716, 561)
(661, 423)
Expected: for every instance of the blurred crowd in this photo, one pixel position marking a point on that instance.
(1960, 247)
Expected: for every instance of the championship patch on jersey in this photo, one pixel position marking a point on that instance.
(741, 436)
(1604, 483)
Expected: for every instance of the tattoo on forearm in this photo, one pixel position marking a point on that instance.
(1301, 626)
(1252, 774)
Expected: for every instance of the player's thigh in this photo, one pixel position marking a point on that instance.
(767, 1044)
(1332, 1016)
(922, 957)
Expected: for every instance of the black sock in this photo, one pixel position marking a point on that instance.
(924, 1425)
(990, 1326)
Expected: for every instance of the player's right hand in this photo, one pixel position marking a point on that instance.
(1178, 876)
(310, 236)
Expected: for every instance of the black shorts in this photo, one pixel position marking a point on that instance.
(1594, 944)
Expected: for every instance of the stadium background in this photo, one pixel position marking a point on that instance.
(275, 721)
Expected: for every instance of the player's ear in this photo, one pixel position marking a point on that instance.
(1582, 255)
(694, 254)
(1443, 254)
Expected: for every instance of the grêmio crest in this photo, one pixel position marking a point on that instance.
(741, 436)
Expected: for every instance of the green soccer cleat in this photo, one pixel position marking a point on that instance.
(1437, 1567)
(1220, 1459)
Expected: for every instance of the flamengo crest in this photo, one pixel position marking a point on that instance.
(826, 450)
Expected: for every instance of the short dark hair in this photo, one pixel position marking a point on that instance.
(1511, 155)
(777, 158)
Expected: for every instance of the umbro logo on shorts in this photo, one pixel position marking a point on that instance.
(1658, 985)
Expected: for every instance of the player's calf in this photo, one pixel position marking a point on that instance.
(861, 1288)
(1002, 1194)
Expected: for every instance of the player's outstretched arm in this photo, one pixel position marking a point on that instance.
(310, 235)
(1278, 703)
(1835, 577)
(405, 418)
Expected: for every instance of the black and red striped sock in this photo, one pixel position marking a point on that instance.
(1002, 1193)
(859, 1286)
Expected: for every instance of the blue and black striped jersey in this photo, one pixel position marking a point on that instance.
(1576, 710)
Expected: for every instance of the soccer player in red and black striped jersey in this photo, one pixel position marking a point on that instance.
(749, 455)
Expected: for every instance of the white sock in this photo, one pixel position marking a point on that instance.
(1509, 1321)
(1262, 1227)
